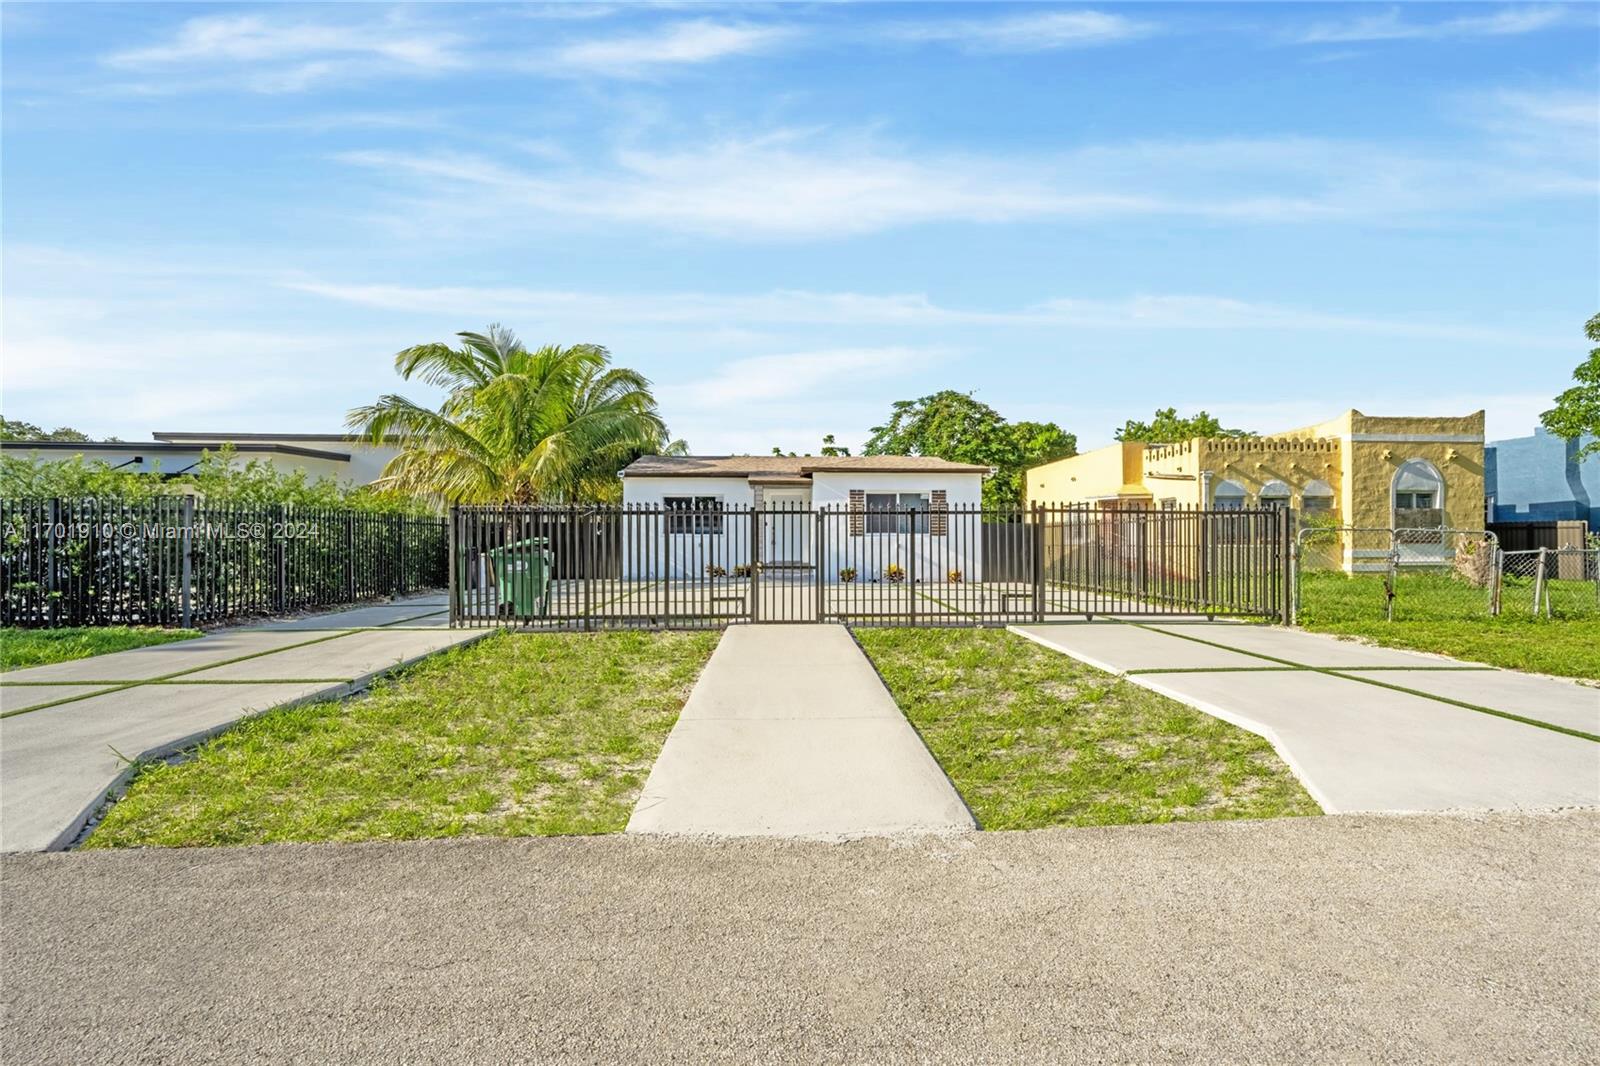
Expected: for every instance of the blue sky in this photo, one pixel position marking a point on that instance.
(222, 217)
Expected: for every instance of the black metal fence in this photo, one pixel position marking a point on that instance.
(187, 561)
(649, 566)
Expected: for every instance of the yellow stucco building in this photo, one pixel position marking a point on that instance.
(1360, 470)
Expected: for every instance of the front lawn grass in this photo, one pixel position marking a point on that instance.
(1441, 614)
(520, 734)
(1032, 738)
(1564, 648)
(21, 648)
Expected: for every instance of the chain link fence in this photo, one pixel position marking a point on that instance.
(1550, 583)
(1354, 574)
(1346, 573)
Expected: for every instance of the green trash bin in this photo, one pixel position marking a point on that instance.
(522, 572)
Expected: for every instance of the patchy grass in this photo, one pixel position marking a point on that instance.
(519, 734)
(1033, 738)
(1565, 648)
(1436, 613)
(21, 648)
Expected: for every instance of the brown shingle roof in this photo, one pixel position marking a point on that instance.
(791, 466)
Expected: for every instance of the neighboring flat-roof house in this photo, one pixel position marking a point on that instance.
(1541, 479)
(321, 455)
(1360, 470)
(731, 510)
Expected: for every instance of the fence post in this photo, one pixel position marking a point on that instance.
(349, 556)
(819, 548)
(1539, 591)
(1285, 569)
(587, 563)
(1036, 543)
(53, 517)
(755, 564)
(453, 567)
(1392, 578)
(911, 565)
(397, 524)
(1495, 586)
(186, 569)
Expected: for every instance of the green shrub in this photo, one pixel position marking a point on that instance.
(219, 476)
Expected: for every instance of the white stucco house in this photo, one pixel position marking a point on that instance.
(797, 514)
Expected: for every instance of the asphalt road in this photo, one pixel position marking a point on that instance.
(1352, 938)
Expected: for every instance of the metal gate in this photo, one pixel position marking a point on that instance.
(701, 566)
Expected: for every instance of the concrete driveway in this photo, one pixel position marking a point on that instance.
(1449, 939)
(1366, 728)
(69, 730)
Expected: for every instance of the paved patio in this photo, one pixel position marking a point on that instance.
(69, 729)
(1366, 728)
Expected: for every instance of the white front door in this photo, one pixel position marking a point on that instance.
(786, 527)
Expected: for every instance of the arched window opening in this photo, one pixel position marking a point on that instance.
(1229, 496)
(1275, 494)
(1418, 496)
(1317, 496)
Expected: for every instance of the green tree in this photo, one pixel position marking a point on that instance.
(14, 429)
(1168, 428)
(219, 475)
(516, 426)
(829, 448)
(1577, 410)
(955, 426)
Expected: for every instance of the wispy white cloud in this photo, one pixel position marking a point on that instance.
(283, 55)
(1033, 32)
(796, 184)
(1572, 111)
(788, 308)
(675, 44)
(795, 375)
(1391, 25)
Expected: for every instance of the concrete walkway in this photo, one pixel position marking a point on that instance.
(790, 732)
(1366, 728)
(69, 730)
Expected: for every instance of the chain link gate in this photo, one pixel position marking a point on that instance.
(1550, 583)
(1351, 573)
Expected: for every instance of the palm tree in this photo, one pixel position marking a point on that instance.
(546, 426)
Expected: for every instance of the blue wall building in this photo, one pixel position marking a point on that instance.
(1539, 479)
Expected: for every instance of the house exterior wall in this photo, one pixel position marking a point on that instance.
(1357, 456)
(1539, 479)
(366, 460)
(173, 460)
(954, 544)
(1103, 474)
(1375, 447)
(651, 552)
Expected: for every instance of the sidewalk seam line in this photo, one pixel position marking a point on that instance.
(1334, 672)
(178, 673)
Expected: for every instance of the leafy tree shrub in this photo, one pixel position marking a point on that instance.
(219, 476)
